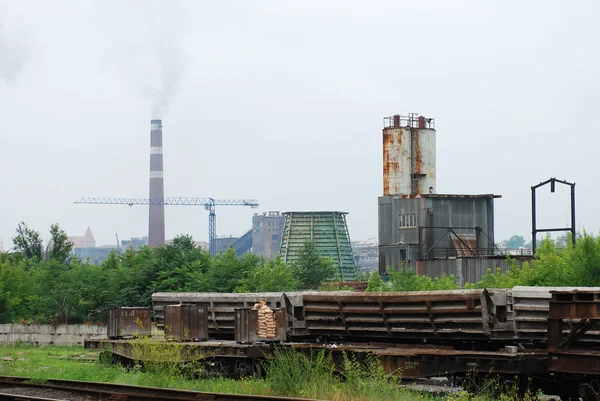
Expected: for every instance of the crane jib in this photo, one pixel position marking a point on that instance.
(208, 203)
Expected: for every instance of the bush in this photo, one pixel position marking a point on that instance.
(370, 378)
(405, 279)
(290, 373)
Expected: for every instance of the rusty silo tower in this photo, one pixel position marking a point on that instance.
(408, 155)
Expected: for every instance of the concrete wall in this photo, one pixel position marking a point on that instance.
(43, 334)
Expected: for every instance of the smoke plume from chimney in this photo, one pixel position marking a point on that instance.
(152, 60)
(14, 47)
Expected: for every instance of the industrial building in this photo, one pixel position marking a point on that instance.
(134, 243)
(222, 243)
(431, 233)
(366, 255)
(267, 230)
(434, 226)
(95, 255)
(328, 231)
(263, 239)
(86, 240)
(84, 247)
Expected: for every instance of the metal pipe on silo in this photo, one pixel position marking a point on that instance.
(156, 214)
(423, 157)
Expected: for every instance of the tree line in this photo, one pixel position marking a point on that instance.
(52, 285)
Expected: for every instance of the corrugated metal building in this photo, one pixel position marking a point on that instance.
(329, 232)
(433, 226)
(464, 269)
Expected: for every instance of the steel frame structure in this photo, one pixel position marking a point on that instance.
(534, 230)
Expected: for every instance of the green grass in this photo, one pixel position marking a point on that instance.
(290, 374)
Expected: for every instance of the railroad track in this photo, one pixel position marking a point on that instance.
(121, 392)
(15, 397)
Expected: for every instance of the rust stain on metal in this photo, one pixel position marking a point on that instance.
(417, 163)
(581, 310)
(575, 362)
(437, 313)
(418, 156)
(247, 325)
(391, 166)
(127, 322)
(408, 296)
(408, 155)
(464, 244)
(186, 322)
(470, 304)
(418, 361)
(575, 304)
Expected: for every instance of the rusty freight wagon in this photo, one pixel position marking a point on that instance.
(547, 338)
(459, 314)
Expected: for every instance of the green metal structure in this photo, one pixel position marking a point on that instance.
(328, 231)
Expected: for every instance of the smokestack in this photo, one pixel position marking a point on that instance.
(156, 217)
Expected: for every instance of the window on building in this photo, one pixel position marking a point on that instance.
(408, 221)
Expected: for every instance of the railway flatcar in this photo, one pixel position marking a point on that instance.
(546, 338)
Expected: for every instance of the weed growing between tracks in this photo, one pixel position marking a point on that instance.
(290, 373)
(166, 361)
(492, 387)
(293, 374)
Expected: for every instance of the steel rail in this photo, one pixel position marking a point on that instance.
(133, 393)
(18, 397)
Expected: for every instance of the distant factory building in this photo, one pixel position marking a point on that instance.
(328, 231)
(225, 242)
(96, 255)
(134, 243)
(366, 254)
(84, 247)
(263, 239)
(202, 245)
(85, 241)
(267, 229)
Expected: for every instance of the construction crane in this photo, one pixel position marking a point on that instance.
(208, 203)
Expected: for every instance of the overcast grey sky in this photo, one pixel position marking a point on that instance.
(283, 101)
